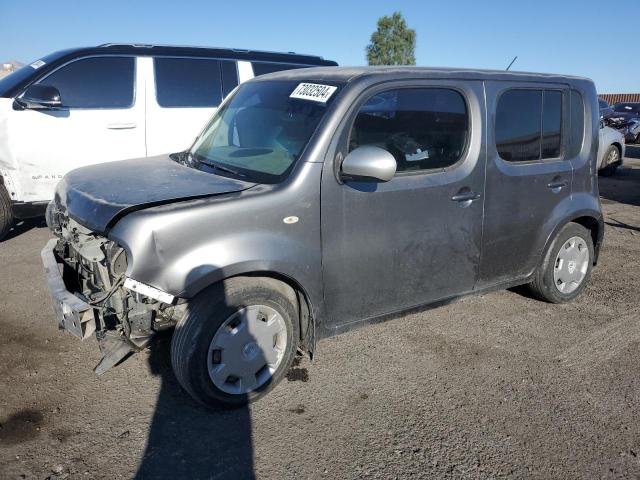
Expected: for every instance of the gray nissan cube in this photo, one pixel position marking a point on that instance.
(321, 199)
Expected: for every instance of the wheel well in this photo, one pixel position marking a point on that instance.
(619, 147)
(307, 322)
(593, 226)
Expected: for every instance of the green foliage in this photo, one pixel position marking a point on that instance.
(393, 43)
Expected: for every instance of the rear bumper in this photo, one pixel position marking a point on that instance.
(71, 312)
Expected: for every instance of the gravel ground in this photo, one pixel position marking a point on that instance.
(497, 385)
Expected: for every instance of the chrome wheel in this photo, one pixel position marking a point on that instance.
(247, 349)
(613, 156)
(572, 264)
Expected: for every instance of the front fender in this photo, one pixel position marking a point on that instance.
(182, 248)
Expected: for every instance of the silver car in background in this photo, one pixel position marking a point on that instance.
(611, 150)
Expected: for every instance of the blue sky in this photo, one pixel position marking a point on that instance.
(560, 36)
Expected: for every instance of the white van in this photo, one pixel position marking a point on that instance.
(112, 102)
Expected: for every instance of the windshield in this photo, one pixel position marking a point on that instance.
(627, 107)
(261, 132)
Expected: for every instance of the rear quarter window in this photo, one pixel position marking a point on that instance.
(577, 117)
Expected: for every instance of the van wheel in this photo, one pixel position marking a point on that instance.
(612, 160)
(566, 266)
(6, 212)
(236, 341)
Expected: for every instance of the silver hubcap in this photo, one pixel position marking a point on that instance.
(571, 265)
(613, 156)
(247, 349)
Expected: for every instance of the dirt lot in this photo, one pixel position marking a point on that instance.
(493, 386)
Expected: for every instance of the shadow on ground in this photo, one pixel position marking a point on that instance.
(624, 186)
(22, 226)
(189, 441)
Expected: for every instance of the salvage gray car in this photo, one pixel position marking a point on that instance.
(318, 200)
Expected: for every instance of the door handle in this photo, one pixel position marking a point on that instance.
(121, 126)
(557, 185)
(465, 197)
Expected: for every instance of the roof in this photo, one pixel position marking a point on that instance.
(236, 53)
(346, 74)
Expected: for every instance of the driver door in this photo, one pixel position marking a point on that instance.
(389, 246)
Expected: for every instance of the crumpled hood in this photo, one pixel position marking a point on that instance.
(624, 116)
(94, 196)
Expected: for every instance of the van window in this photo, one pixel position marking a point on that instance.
(97, 82)
(529, 125)
(187, 82)
(262, 68)
(577, 124)
(423, 128)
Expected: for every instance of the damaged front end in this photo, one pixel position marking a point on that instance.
(86, 273)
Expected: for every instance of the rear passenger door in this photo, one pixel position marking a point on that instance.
(528, 175)
(182, 94)
(388, 246)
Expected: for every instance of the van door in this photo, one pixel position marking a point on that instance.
(388, 246)
(102, 119)
(528, 176)
(182, 94)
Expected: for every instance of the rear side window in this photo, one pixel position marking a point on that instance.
(188, 82)
(423, 128)
(262, 68)
(529, 125)
(98, 82)
(577, 124)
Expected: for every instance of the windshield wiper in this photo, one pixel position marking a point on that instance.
(217, 166)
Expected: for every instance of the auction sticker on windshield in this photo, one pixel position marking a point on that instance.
(313, 92)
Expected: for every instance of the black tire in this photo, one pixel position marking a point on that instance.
(611, 168)
(543, 285)
(206, 313)
(6, 212)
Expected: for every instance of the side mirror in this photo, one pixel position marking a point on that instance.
(369, 162)
(40, 97)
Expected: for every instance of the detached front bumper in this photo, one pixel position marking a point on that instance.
(72, 313)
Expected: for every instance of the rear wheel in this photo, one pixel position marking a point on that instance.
(611, 160)
(6, 213)
(566, 266)
(236, 341)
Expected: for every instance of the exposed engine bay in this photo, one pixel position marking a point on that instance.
(93, 268)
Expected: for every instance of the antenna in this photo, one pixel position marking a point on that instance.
(512, 62)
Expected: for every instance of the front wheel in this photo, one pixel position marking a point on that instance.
(6, 212)
(236, 341)
(566, 266)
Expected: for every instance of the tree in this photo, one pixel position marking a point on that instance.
(393, 43)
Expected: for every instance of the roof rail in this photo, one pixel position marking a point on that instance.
(241, 50)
